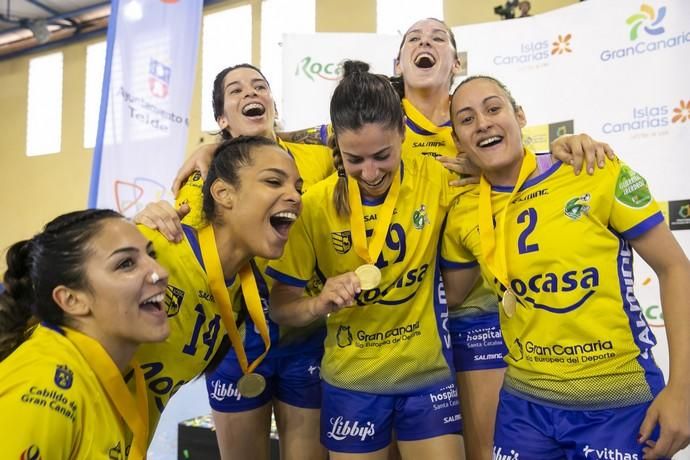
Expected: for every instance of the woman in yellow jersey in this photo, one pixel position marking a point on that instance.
(243, 104)
(250, 199)
(581, 379)
(92, 281)
(426, 65)
(386, 364)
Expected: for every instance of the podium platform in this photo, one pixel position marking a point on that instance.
(196, 439)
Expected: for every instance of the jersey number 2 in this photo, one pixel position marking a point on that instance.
(530, 217)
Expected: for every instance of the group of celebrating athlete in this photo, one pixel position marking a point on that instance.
(362, 288)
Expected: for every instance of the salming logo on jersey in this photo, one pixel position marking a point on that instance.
(531, 195)
(428, 144)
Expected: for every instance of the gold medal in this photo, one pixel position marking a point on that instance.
(369, 276)
(509, 303)
(251, 385)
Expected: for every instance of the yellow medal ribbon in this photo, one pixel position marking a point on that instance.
(216, 280)
(370, 252)
(133, 411)
(496, 260)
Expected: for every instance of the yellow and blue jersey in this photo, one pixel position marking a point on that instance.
(579, 338)
(196, 328)
(314, 163)
(394, 340)
(51, 401)
(425, 138)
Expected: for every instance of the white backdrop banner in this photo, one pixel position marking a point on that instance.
(147, 90)
(312, 66)
(615, 69)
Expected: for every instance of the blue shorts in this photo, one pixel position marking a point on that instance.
(357, 422)
(291, 378)
(477, 342)
(528, 430)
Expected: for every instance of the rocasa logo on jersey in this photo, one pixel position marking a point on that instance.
(607, 454)
(651, 22)
(499, 454)
(342, 428)
(311, 68)
(586, 279)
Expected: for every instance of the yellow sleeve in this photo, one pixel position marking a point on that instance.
(191, 194)
(634, 210)
(39, 420)
(454, 253)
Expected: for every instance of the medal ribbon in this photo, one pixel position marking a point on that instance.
(370, 252)
(216, 280)
(487, 234)
(133, 410)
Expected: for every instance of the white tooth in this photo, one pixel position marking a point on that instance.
(488, 141)
(287, 215)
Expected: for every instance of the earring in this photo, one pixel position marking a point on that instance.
(155, 278)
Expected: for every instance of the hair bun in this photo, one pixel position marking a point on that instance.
(352, 67)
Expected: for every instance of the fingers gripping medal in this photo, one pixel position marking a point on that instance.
(369, 276)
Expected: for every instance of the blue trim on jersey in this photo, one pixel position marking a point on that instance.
(419, 130)
(194, 243)
(535, 180)
(190, 233)
(53, 327)
(379, 200)
(641, 332)
(463, 265)
(323, 132)
(644, 226)
(441, 310)
(286, 279)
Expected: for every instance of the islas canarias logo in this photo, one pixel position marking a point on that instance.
(681, 114)
(647, 19)
(562, 44)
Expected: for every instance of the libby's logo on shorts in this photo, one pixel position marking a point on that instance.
(221, 391)
(341, 429)
(500, 455)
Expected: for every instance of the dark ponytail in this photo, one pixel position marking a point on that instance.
(361, 98)
(37, 266)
